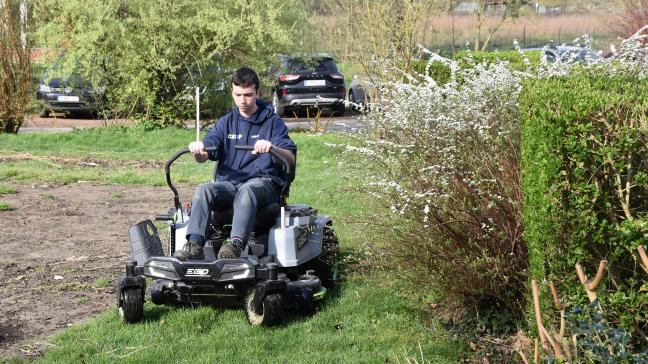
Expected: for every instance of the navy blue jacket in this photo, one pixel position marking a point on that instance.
(238, 166)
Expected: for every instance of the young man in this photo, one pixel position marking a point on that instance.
(246, 180)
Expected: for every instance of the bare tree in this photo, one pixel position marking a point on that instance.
(510, 9)
(14, 64)
(387, 29)
(631, 15)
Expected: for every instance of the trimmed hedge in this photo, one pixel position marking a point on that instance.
(584, 140)
(441, 72)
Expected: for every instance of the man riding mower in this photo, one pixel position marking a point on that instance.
(238, 239)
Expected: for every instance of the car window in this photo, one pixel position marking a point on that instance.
(550, 56)
(74, 81)
(303, 65)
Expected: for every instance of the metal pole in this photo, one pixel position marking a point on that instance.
(524, 36)
(197, 113)
(453, 28)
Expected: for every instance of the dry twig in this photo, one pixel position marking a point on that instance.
(538, 314)
(644, 257)
(591, 286)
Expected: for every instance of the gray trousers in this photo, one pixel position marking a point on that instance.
(245, 199)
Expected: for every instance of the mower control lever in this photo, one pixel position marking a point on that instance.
(287, 167)
(167, 173)
(163, 217)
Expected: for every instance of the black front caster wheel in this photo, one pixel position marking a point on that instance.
(131, 308)
(271, 312)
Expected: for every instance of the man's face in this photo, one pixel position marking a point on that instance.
(245, 98)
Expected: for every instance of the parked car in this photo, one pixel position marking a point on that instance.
(73, 94)
(358, 98)
(312, 81)
(567, 54)
(363, 93)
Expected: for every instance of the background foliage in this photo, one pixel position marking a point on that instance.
(150, 53)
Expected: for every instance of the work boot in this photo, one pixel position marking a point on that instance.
(232, 249)
(192, 250)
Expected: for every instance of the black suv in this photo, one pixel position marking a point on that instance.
(308, 82)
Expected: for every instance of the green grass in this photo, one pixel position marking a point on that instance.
(369, 319)
(6, 190)
(363, 323)
(4, 206)
(102, 283)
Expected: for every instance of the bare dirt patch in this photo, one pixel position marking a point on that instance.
(73, 121)
(60, 162)
(63, 247)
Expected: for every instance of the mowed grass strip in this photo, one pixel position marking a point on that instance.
(362, 323)
(368, 319)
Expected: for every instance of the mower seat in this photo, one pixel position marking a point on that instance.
(265, 217)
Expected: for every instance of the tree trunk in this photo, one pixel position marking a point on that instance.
(11, 125)
(478, 25)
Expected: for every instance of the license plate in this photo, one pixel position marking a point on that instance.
(314, 83)
(68, 98)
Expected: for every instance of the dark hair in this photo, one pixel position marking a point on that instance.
(245, 77)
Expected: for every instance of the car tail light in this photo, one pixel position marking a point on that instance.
(288, 77)
(342, 92)
(283, 92)
(338, 76)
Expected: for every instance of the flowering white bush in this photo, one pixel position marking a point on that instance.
(444, 157)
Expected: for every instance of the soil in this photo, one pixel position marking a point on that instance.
(64, 247)
(59, 120)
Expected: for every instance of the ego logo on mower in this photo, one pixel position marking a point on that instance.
(197, 272)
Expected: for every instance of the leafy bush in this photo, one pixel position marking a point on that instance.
(441, 73)
(516, 60)
(585, 182)
(15, 88)
(443, 158)
(599, 342)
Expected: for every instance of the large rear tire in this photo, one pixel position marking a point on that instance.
(352, 102)
(326, 265)
(132, 305)
(272, 309)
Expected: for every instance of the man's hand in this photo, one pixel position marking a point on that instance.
(197, 149)
(262, 146)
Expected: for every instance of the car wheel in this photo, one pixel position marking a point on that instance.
(45, 113)
(353, 102)
(278, 107)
